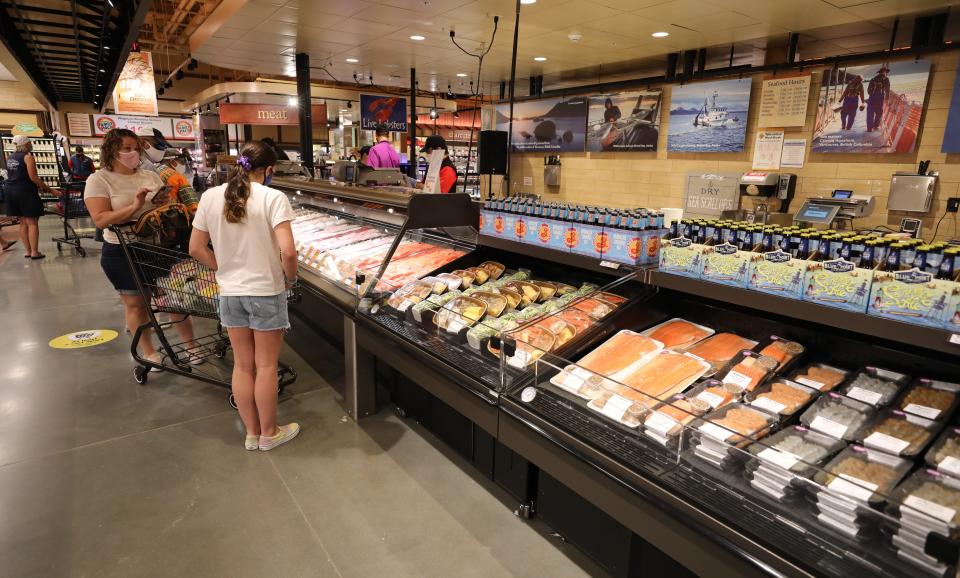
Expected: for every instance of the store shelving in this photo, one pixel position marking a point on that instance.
(45, 155)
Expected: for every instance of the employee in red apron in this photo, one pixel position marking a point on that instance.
(448, 172)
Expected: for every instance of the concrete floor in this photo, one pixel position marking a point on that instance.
(102, 477)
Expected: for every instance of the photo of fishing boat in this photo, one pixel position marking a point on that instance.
(628, 121)
(951, 137)
(549, 125)
(875, 108)
(709, 117)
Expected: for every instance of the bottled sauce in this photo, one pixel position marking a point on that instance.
(950, 265)
(908, 255)
(921, 256)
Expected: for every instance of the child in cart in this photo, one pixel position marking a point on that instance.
(255, 261)
(116, 195)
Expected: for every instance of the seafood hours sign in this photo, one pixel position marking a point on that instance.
(711, 194)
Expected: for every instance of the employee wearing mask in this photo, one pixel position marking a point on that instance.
(448, 171)
(382, 155)
(22, 189)
(173, 171)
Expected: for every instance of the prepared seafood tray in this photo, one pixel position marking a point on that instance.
(665, 423)
(930, 398)
(678, 333)
(432, 303)
(622, 404)
(944, 454)
(784, 458)
(720, 348)
(927, 501)
(861, 474)
(734, 426)
(837, 416)
(532, 342)
(409, 295)
(614, 358)
(820, 376)
(781, 397)
(786, 352)
(875, 386)
(460, 314)
(898, 433)
(748, 370)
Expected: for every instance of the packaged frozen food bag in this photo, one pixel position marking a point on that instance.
(409, 295)
(927, 501)
(529, 293)
(622, 404)
(487, 328)
(865, 475)
(837, 416)
(466, 278)
(820, 376)
(930, 398)
(875, 386)
(452, 280)
(617, 355)
(734, 425)
(748, 370)
(460, 313)
(513, 297)
(432, 303)
(712, 394)
(666, 374)
(547, 290)
(496, 303)
(678, 333)
(944, 454)
(720, 348)
(783, 350)
(532, 342)
(595, 308)
(494, 269)
(563, 330)
(781, 397)
(480, 276)
(898, 433)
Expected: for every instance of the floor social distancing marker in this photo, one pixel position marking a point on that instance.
(87, 338)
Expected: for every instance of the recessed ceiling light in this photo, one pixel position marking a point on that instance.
(102, 70)
(418, 37)
(462, 74)
(540, 58)
(352, 60)
(528, 1)
(660, 34)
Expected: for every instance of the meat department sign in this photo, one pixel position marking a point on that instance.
(708, 195)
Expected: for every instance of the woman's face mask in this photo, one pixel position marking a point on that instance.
(129, 159)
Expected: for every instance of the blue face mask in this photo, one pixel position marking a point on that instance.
(267, 178)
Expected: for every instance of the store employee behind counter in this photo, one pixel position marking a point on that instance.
(448, 171)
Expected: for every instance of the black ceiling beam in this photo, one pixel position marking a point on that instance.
(86, 29)
(131, 17)
(35, 66)
(92, 18)
(76, 37)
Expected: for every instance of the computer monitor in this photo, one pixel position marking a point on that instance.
(842, 194)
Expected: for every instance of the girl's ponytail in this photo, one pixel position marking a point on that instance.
(253, 156)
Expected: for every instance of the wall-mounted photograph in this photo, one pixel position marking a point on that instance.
(549, 125)
(709, 117)
(628, 121)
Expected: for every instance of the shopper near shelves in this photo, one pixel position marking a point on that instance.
(117, 195)
(448, 171)
(248, 224)
(81, 166)
(382, 155)
(22, 194)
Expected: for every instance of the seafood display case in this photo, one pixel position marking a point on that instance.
(745, 443)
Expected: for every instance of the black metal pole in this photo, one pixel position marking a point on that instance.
(513, 82)
(305, 110)
(412, 127)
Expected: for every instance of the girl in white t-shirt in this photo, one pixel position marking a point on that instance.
(255, 259)
(120, 194)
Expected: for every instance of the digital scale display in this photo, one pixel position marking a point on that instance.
(817, 213)
(842, 194)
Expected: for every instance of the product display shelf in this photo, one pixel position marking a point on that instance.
(658, 490)
(903, 334)
(572, 259)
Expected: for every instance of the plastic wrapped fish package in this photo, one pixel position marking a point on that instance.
(614, 358)
(783, 350)
(930, 398)
(837, 416)
(898, 433)
(748, 370)
(733, 426)
(944, 454)
(720, 348)
(925, 502)
(786, 457)
(875, 386)
(820, 376)
(678, 333)
(781, 397)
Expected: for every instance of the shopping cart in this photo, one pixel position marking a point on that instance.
(73, 212)
(173, 283)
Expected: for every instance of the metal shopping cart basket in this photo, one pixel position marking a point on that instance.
(73, 212)
(173, 283)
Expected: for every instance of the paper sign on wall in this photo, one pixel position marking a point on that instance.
(78, 124)
(784, 101)
(136, 92)
(708, 195)
(794, 150)
(767, 149)
(142, 125)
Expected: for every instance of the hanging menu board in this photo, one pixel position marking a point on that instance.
(783, 101)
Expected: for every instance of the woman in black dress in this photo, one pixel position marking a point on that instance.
(22, 194)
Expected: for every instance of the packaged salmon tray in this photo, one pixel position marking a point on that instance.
(678, 333)
(617, 356)
(748, 370)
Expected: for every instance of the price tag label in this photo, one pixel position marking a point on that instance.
(942, 513)
(829, 427)
(716, 432)
(785, 460)
(711, 398)
(865, 395)
(927, 412)
(520, 359)
(660, 423)
(581, 374)
(885, 442)
(738, 379)
(768, 404)
(812, 383)
(955, 339)
(615, 407)
(853, 487)
(610, 265)
(455, 326)
(949, 465)
(404, 305)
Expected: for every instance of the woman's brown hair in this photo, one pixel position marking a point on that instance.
(112, 143)
(253, 156)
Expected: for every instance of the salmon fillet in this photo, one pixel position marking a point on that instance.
(678, 333)
(618, 353)
(594, 308)
(577, 318)
(748, 373)
(665, 375)
(782, 351)
(721, 347)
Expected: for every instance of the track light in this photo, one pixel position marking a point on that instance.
(208, 108)
(434, 114)
(193, 64)
(160, 91)
(168, 83)
(349, 104)
(456, 114)
(227, 100)
(179, 74)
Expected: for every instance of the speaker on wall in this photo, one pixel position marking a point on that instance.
(493, 152)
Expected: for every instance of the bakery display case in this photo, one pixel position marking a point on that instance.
(769, 443)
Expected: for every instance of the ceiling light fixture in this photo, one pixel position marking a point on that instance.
(349, 104)
(102, 70)
(352, 60)
(418, 37)
(528, 1)
(462, 74)
(179, 74)
(193, 64)
(660, 34)
(292, 101)
(540, 58)
(434, 114)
